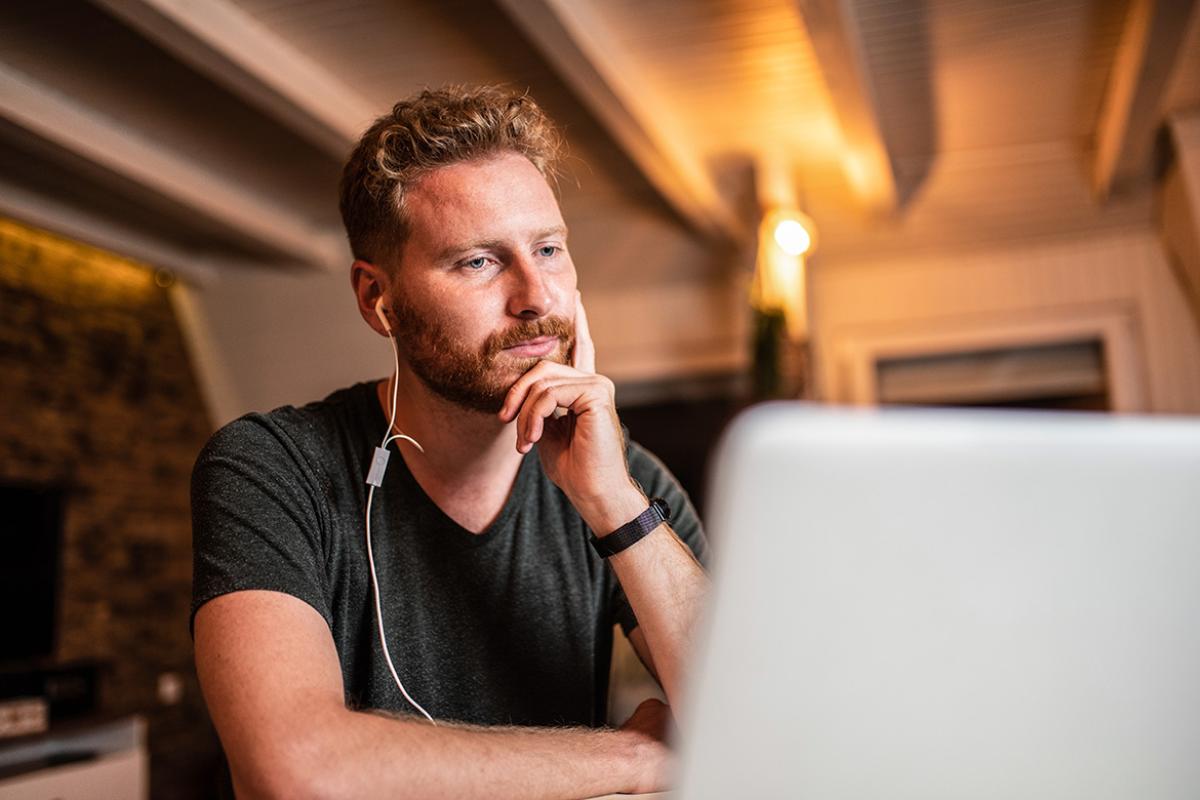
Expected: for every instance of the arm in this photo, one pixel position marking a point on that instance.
(583, 453)
(666, 588)
(272, 681)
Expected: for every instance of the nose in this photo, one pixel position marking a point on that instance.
(530, 293)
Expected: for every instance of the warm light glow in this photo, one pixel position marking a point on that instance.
(786, 237)
(856, 171)
(68, 271)
(791, 235)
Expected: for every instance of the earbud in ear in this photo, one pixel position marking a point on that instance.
(387, 326)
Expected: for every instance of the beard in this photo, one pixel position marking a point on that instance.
(476, 377)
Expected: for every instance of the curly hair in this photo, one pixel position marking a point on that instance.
(434, 129)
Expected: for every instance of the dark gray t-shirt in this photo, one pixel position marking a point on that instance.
(510, 626)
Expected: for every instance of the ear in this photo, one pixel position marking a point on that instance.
(370, 284)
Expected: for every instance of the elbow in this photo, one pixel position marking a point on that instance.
(272, 782)
(296, 769)
(281, 782)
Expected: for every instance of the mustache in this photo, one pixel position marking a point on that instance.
(555, 326)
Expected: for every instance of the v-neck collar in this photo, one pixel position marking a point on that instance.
(465, 537)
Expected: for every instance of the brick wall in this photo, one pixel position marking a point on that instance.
(97, 394)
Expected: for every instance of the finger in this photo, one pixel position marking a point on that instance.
(543, 402)
(548, 398)
(516, 394)
(564, 398)
(537, 412)
(519, 391)
(585, 349)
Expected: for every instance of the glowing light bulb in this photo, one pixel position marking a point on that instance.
(792, 236)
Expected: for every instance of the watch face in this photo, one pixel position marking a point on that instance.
(662, 508)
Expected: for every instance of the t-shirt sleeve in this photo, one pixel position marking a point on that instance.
(657, 481)
(257, 517)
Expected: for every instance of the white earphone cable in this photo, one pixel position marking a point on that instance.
(387, 439)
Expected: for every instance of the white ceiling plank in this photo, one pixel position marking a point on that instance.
(231, 47)
(161, 174)
(836, 39)
(53, 215)
(1130, 115)
(590, 60)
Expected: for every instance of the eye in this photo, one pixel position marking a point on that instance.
(548, 250)
(476, 263)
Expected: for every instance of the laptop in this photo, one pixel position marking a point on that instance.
(950, 604)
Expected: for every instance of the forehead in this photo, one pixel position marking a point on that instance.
(501, 197)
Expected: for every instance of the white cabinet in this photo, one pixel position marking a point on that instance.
(117, 766)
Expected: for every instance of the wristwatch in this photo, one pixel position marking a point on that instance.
(633, 531)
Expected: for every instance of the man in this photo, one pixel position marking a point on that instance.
(497, 606)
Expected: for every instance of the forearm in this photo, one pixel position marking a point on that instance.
(370, 754)
(666, 587)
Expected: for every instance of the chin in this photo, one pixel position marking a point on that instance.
(508, 374)
(522, 364)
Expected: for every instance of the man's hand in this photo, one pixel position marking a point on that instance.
(650, 723)
(582, 451)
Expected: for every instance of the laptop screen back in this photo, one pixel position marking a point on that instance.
(920, 604)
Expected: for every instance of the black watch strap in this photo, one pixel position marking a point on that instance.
(633, 531)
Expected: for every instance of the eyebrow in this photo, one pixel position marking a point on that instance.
(557, 230)
(455, 250)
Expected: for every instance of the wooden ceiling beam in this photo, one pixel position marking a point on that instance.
(579, 47)
(48, 213)
(1130, 116)
(99, 145)
(236, 51)
(838, 43)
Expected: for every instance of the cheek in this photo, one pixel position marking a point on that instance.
(471, 318)
(425, 319)
(566, 282)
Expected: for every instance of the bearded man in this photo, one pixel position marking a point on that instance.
(477, 578)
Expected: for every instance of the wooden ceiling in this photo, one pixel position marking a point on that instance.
(209, 135)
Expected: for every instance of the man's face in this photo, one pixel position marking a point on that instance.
(485, 287)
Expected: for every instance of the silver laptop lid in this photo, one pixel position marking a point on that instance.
(931, 604)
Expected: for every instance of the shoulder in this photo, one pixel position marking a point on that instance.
(296, 432)
(298, 444)
(656, 480)
(646, 467)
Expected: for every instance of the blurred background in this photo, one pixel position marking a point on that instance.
(938, 202)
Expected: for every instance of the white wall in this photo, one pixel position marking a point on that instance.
(1179, 204)
(1123, 273)
(260, 339)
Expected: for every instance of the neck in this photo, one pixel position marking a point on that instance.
(470, 450)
